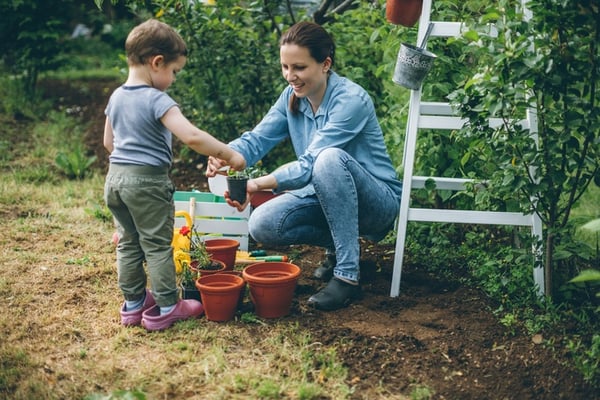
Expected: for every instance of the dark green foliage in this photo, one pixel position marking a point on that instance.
(34, 35)
(553, 69)
(232, 76)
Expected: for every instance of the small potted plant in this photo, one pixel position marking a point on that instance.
(201, 260)
(236, 185)
(237, 180)
(187, 282)
(191, 261)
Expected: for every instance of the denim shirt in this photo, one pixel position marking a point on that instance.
(345, 119)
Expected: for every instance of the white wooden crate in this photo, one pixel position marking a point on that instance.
(213, 217)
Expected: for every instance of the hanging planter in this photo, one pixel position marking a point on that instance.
(413, 63)
(403, 12)
(223, 249)
(272, 286)
(220, 295)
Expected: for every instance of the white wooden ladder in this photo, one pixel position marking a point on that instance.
(423, 115)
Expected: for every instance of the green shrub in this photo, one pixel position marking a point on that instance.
(76, 163)
(539, 64)
(587, 358)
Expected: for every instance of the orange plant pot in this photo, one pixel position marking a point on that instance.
(205, 272)
(261, 197)
(220, 294)
(403, 12)
(223, 250)
(272, 286)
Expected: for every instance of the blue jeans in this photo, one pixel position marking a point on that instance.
(348, 203)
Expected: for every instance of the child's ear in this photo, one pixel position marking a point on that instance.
(156, 61)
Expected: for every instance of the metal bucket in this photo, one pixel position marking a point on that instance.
(412, 66)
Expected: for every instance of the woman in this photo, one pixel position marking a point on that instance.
(341, 186)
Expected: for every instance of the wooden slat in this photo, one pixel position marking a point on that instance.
(216, 219)
(440, 183)
(469, 217)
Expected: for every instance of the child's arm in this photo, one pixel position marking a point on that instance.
(108, 136)
(199, 140)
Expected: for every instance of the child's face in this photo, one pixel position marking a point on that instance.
(163, 75)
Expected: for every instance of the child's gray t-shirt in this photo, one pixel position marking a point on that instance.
(140, 138)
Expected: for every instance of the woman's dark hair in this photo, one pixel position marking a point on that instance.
(316, 39)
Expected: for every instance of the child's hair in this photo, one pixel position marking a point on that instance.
(153, 38)
(316, 39)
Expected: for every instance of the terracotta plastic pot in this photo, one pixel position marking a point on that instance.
(204, 272)
(261, 197)
(272, 286)
(403, 12)
(223, 250)
(220, 295)
(238, 273)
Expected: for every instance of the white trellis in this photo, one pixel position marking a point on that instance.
(428, 115)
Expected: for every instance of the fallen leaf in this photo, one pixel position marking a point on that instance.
(537, 339)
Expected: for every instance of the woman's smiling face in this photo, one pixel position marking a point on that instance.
(306, 76)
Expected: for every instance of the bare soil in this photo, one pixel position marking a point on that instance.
(437, 333)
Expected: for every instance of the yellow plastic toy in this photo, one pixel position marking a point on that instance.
(181, 242)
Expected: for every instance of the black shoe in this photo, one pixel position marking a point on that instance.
(325, 271)
(336, 294)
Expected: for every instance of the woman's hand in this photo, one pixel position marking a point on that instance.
(251, 188)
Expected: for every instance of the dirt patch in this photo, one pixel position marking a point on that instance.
(437, 334)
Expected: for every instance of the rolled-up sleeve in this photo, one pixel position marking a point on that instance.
(273, 128)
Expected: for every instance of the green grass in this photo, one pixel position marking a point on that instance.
(58, 270)
(87, 74)
(56, 236)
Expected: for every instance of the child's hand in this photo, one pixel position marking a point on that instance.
(213, 166)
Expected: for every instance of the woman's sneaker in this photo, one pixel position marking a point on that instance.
(184, 309)
(134, 318)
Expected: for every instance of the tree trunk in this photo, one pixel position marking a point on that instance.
(548, 264)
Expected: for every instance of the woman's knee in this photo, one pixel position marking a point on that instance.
(261, 227)
(328, 159)
(329, 155)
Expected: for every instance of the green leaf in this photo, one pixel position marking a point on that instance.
(593, 225)
(588, 275)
